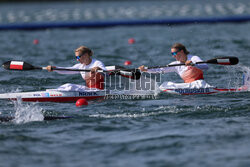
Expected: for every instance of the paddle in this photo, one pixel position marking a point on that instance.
(24, 66)
(218, 60)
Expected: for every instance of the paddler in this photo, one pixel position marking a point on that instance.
(191, 73)
(93, 79)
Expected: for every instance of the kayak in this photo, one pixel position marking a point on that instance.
(200, 87)
(195, 88)
(53, 95)
(72, 92)
(62, 96)
(197, 91)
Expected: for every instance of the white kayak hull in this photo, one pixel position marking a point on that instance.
(54, 95)
(60, 96)
(195, 88)
(197, 91)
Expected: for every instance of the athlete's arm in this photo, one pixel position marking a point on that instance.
(203, 66)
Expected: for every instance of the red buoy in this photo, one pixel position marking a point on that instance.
(131, 40)
(127, 63)
(36, 41)
(81, 102)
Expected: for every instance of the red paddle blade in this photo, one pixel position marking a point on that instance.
(18, 65)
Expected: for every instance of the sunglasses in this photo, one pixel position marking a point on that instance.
(78, 57)
(175, 53)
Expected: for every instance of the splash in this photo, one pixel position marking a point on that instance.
(246, 77)
(239, 77)
(27, 112)
(3, 90)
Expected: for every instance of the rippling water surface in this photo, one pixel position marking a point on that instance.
(172, 130)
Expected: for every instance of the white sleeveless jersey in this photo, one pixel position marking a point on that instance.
(187, 73)
(94, 63)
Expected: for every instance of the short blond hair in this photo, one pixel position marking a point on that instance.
(83, 49)
(180, 47)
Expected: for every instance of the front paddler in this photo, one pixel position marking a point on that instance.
(84, 55)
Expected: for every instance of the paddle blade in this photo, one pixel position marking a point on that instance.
(224, 61)
(135, 74)
(127, 73)
(18, 65)
(114, 69)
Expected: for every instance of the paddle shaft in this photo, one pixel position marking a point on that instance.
(68, 69)
(61, 69)
(174, 65)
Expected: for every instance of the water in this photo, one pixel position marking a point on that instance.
(172, 130)
(116, 10)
